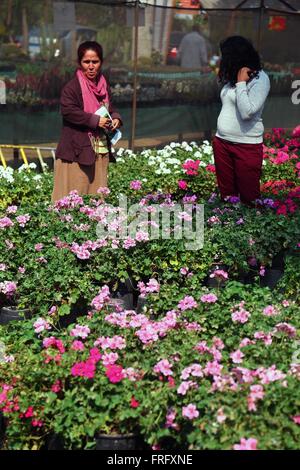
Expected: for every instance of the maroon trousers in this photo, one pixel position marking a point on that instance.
(238, 169)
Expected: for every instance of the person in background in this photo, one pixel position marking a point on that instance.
(238, 144)
(193, 50)
(84, 151)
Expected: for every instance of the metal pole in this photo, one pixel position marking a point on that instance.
(136, 37)
(260, 25)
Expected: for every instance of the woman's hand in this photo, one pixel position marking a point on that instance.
(243, 75)
(105, 123)
(115, 124)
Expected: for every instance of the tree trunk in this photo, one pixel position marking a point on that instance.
(25, 32)
(9, 13)
(8, 19)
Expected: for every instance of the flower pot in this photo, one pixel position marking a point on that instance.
(271, 278)
(124, 302)
(2, 429)
(141, 303)
(54, 442)
(13, 313)
(278, 261)
(118, 442)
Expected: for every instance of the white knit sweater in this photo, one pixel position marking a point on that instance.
(240, 118)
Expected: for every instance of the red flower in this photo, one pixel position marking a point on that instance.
(29, 412)
(134, 403)
(211, 168)
(171, 381)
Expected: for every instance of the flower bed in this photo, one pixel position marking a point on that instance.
(200, 367)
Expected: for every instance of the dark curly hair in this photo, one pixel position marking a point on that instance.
(237, 52)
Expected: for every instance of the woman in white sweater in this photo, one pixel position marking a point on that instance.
(238, 144)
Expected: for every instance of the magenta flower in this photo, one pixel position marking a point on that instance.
(114, 373)
(84, 369)
(136, 185)
(77, 345)
(52, 342)
(182, 184)
(190, 411)
(191, 167)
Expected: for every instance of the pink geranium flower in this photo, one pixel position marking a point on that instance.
(270, 311)
(187, 303)
(80, 331)
(41, 325)
(296, 419)
(190, 411)
(164, 367)
(209, 298)
(246, 444)
(6, 222)
(237, 356)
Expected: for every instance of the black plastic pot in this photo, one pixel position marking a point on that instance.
(278, 262)
(125, 302)
(2, 429)
(271, 278)
(118, 442)
(141, 303)
(12, 313)
(54, 442)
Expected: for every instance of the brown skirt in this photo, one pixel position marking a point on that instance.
(85, 179)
